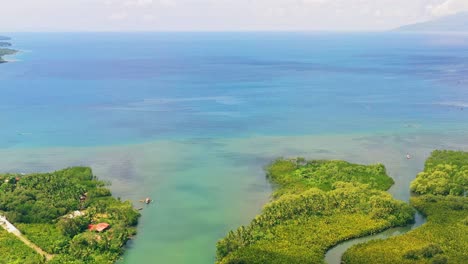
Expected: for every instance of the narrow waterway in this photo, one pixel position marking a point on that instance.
(400, 190)
(403, 171)
(334, 255)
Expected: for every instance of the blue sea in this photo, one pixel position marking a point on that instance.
(190, 119)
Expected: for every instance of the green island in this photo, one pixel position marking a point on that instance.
(440, 194)
(5, 51)
(316, 205)
(67, 216)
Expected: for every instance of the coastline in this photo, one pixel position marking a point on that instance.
(234, 162)
(10, 58)
(5, 53)
(5, 49)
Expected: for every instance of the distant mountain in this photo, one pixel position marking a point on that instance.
(451, 23)
(4, 38)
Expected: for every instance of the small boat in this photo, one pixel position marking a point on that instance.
(147, 200)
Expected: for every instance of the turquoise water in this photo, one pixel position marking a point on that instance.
(190, 119)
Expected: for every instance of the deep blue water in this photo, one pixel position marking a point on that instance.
(75, 89)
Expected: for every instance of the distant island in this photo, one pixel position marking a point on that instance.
(448, 24)
(3, 48)
(66, 216)
(317, 204)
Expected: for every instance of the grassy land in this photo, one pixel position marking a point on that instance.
(316, 205)
(13, 251)
(46, 236)
(444, 238)
(39, 204)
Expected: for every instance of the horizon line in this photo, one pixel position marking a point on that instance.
(198, 31)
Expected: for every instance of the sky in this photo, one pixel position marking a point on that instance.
(219, 15)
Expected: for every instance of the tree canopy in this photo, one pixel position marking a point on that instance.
(316, 205)
(41, 205)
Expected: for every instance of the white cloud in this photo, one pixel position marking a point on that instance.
(449, 7)
(219, 15)
(138, 3)
(148, 18)
(171, 3)
(118, 16)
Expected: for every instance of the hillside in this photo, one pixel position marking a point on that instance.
(451, 23)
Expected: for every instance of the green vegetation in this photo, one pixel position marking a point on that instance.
(300, 175)
(40, 205)
(316, 205)
(13, 251)
(442, 198)
(445, 172)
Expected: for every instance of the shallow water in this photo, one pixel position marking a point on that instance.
(191, 119)
(205, 188)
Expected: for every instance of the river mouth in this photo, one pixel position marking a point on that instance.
(193, 181)
(334, 255)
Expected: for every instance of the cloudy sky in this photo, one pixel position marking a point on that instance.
(218, 15)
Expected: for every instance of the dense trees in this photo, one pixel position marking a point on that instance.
(444, 238)
(43, 205)
(445, 172)
(317, 204)
(295, 176)
(41, 198)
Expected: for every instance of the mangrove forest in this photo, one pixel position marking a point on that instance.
(440, 194)
(316, 205)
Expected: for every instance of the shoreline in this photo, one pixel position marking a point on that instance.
(5, 53)
(6, 49)
(127, 166)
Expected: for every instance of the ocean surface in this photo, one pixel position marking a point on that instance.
(191, 119)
